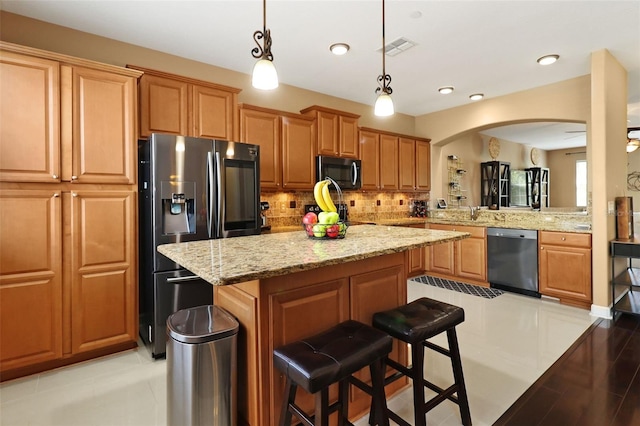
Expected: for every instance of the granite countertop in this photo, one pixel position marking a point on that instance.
(234, 260)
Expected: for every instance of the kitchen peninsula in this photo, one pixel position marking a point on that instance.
(283, 287)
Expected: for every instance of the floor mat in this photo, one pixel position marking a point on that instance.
(487, 293)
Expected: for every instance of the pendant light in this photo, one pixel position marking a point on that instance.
(384, 103)
(264, 74)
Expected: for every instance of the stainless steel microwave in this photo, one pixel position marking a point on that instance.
(345, 171)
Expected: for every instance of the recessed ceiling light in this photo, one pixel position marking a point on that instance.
(446, 90)
(548, 59)
(339, 48)
(476, 96)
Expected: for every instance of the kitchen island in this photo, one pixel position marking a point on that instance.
(283, 287)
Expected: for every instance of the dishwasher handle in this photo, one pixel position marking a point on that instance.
(527, 234)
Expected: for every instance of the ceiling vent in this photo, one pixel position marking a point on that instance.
(397, 46)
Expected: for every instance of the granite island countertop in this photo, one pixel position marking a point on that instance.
(234, 260)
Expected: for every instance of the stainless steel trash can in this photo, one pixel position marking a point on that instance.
(201, 367)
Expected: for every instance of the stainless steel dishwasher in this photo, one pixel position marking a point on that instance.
(512, 258)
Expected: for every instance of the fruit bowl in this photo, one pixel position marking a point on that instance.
(320, 231)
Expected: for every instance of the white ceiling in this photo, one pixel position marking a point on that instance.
(489, 47)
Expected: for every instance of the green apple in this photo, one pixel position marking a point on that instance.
(319, 230)
(323, 217)
(332, 218)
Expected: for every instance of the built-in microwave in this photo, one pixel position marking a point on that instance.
(345, 171)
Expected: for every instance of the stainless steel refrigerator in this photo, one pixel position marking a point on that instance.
(190, 189)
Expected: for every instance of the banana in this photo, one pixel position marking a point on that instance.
(327, 199)
(317, 194)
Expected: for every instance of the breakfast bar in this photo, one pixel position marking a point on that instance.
(284, 287)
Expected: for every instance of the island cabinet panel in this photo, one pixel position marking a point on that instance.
(463, 260)
(103, 291)
(181, 105)
(388, 162)
(30, 119)
(261, 127)
(565, 267)
(279, 310)
(30, 277)
(370, 157)
(336, 132)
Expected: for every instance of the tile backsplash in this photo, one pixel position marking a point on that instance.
(287, 208)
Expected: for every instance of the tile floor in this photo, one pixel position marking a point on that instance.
(506, 344)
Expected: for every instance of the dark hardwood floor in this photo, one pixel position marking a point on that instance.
(596, 382)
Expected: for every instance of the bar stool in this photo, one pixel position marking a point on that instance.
(331, 357)
(414, 323)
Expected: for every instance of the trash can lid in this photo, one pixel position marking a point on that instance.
(201, 324)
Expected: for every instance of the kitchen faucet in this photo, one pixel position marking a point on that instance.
(475, 211)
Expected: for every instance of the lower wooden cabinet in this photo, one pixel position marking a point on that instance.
(565, 267)
(66, 275)
(279, 310)
(464, 260)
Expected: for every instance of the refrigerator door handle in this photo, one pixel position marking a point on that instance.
(209, 195)
(221, 186)
(183, 279)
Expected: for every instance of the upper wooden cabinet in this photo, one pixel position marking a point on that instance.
(183, 106)
(65, 119)
(287, 150)
(392, 162)
(336, 131)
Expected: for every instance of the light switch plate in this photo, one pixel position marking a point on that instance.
(611, 207)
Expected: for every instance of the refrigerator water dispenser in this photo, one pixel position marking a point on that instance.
(178, 208)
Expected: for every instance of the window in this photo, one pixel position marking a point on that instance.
(581, 183)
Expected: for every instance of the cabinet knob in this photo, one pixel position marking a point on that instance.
(56, 195)
(74, 194)
(542, 248)
(54, 176)
(564, 239)
(74, 177)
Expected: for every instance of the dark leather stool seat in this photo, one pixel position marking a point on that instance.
(414, 323)
(331, 357)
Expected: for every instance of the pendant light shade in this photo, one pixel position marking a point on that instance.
(264, 74)
(384, 103)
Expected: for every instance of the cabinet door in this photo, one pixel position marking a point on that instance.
(163, 106)
(298, 153)
(103, 145)
(348, 137)
(29, 119)
(263, 128)
(565, 272)
(471, 258)
(423, 166)
(370, 157)
(441, 258)
(407, 164)
(30, 277)
(103, 290)
(388, 162)
(327, 304)
(328, 127)
(212, 113)
(416, 258)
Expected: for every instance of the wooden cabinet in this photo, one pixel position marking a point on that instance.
(30, 277)
(276, 311)
(393, 162)
(69, 191)
(414, 165)
(464, 260)
(67, 122)
(370, 157)
(388, 162)
(184, 106)
(336, 132)
(565, 267)
(286, 147)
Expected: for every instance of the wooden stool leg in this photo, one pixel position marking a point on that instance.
(322, 408)
(417, 375)
(456, 364)
(288, 398)
(379, 413)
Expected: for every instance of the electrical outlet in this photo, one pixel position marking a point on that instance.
(377, 202)
(611, 208)
(352, 203)
(292, 204)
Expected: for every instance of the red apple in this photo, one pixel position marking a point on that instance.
(310, 218)
(333, 231)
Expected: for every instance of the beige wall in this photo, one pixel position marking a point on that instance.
(562, 189)
(29, 32)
